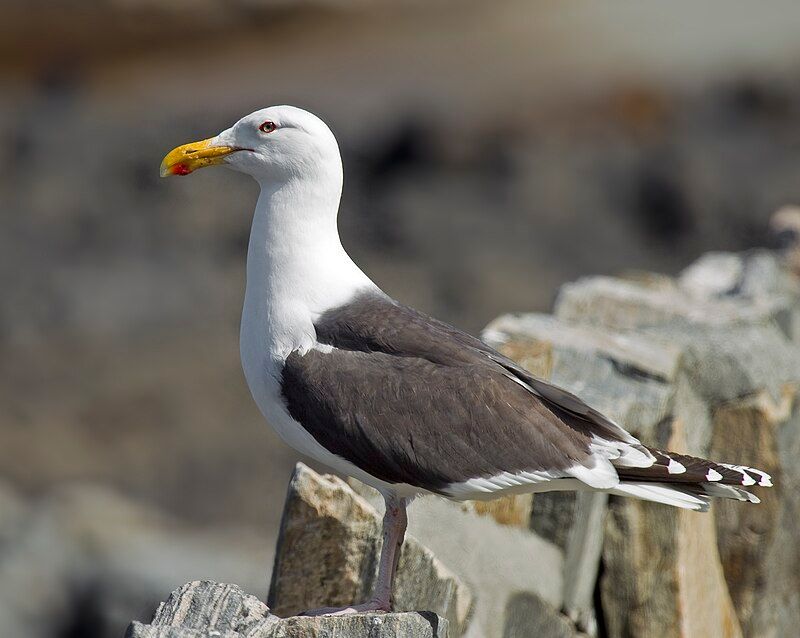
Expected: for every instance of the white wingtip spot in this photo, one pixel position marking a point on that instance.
(675, 468)
(713, 475)
(746, 478)
(765, 480)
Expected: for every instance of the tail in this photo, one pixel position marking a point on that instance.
(687, 481)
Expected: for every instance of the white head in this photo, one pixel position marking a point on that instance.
(274, 145)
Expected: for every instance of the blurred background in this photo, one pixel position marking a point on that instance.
(492, 150)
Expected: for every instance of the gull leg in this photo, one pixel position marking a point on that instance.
(395, 522)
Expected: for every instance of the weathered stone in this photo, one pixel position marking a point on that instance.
(624, 305)
(514, 511)
(204, 609)
(760, 425)
(726, 363)
(623, 375)
(206, 606)
(328, 551)
(527, 616)
(497, 561)
(757, 549)
(582, 563)
(727, 319)
(553, 515)
(523, 336)
(714, 274)
(752, 274)
(662, 572)
(688, 359)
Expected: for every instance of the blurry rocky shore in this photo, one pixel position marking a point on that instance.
(493, 152)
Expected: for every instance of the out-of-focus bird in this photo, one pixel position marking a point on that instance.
(384, 393)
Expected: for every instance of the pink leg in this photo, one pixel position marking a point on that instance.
(395, 522)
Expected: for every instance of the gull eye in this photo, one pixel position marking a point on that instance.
(267, 127)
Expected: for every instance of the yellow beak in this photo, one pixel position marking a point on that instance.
(189, 157)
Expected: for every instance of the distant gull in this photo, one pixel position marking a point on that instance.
(401, 401)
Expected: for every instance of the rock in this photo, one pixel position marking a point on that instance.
(713, 275)
(670, 361)
(496, 561)
(205, 609)
(583, 549)
(756, 273)
(754, 542)
(514, 511)
(729, 323)
(527, 616)
(662, 573)
(523, 336)
(622, 375)
(574, 521)
(756, 421)
(328, 551)
(623, 305)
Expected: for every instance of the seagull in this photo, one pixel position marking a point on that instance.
(381, 392)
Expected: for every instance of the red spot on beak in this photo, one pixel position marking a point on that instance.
(181, 169)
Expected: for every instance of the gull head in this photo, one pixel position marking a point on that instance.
(272, 144)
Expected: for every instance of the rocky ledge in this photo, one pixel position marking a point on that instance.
(205, 609)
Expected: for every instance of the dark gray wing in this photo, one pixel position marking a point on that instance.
(409, 399)
(377, 323)
(405, 419)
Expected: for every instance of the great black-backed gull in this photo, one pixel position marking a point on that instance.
(402, 401)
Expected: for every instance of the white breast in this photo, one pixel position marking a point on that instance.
(296, 270)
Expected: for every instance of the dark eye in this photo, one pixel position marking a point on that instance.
(267, 127)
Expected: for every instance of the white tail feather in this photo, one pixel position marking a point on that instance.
(662, 493)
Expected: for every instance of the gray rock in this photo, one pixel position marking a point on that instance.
(667, 360)
(714, 274)
(623, 305)
(662, 574)
(757, 546)
(730, 396)
(625, 375)
(527, 616)
(755, 273)
(584, 547)
(328, 551)
(652, 357)
(205, 609)
(574, 521)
